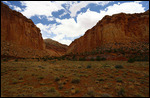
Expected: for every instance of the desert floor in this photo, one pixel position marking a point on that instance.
(53, 78)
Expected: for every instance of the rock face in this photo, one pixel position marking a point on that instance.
(18, 29)
(116, 31)
(55, 46)
(19, 36)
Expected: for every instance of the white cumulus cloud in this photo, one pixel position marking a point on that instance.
(71, 28)
(40, 8)
(75, 7)
(17, 8)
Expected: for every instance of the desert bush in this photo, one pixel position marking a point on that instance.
(106, 65)
(82, 59)
(44, 58)
(131, 60)
(52, 93)
(5, 59)
(75, 80)
(92, 59)
(100, 79)
(74, 57)
(121, 92)
(138, 58)
(15, 81)
(60, 87)
(98, 58)
(119, 79)
(88, 66)
(63, 57)
(16, 60)
(118, 66)
(91, 93)
(114, 50)
(40, 77)
(141, 58)
(57, 79)
(106, 95)
(52, 89)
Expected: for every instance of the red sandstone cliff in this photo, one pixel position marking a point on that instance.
(126, 30)
(17, 29)
(59, 48)
(20, 37)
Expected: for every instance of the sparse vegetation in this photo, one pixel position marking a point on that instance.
(98, 58)
(118, 66)
(88, 66)
(57, 78)
(131, 60)
(53, 79)
(75, 80)
(82, 59)
(16, 60)
(121, 92)
(40, 77)
(119, 79)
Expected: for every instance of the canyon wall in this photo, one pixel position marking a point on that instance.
(119, 30)
(19, 36)
(17, 29)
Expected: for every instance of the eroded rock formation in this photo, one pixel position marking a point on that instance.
(20, 37)
(116, 31)
(17, 29)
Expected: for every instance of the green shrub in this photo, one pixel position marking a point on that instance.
(119, 79)
(106, 95)
(74, 57)
(118, 66)
(15, 81)
(82, 59)
(98, 58)
(57, 79)
(75, 80)
(121, 92)
(92, 59)
(103, 59)
(5, 59)
(38, 59)
(131, 60)
(88, 66)
(16, 60)
(100, 79)
(45, 59)
(40, 77)
(52, 89)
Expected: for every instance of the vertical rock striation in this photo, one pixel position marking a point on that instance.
(19, 36)
(123, 29)
(17, 29)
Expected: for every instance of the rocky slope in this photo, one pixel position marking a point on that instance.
(119, 31)
(59, 48)
(20, 37)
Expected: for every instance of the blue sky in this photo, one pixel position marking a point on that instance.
(64, 21)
